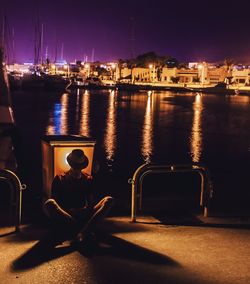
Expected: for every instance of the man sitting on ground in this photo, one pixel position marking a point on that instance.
(71, 207)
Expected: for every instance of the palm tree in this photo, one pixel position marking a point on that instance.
(228, 63)
(120, 65)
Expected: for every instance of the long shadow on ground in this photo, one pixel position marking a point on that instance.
(105, 245)
(46, 249)
(108, 245)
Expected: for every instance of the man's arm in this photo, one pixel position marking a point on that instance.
(90, 200)
(56, 189)
(89, 190)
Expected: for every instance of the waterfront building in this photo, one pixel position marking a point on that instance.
(241, 77)
(216, 74)
(141, 75)
(183, 75)
(204, 73)
(193, 74)
(19, 68)
(105, 71)
(199, 73)
(125, 74)
(168, 74)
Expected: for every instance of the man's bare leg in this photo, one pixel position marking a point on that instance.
(57, 214)
(101, 209)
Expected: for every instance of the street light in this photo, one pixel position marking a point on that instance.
(53, 67)
(66, 67)
(152, 69)
(113, 70)
(87, 66)
(201, 67)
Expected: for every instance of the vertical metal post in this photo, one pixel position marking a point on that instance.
(133, 203)
(202, 188)
(19, 211)
(205, 212)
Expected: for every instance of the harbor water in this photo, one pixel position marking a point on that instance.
(133, 128)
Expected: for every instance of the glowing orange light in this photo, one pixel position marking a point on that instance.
(60, 158)
(55, 150)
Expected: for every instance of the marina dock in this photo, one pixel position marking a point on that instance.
(144, 252)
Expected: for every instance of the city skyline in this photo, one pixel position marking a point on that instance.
(107, 31)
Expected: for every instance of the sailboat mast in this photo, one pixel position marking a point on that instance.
(13, 46)
(3, 39)
(3, 32)
(38, 42)
(62, 49)
(56, 43)
(46, 53)
(41, 47)
(6, 114)
(35, 45)
(93, 55)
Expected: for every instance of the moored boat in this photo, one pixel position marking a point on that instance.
(142, 86)
(220, 88)
(55, 82)
(35, 81)
(32, 81)
(88, 83)
(242, 90)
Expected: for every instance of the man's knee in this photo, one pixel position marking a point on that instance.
(56, 213)
(50, 206)
(108, 201)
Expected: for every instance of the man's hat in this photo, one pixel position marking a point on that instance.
(77, 159)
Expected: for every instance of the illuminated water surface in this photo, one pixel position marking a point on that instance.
(155, 126)
(142, 127)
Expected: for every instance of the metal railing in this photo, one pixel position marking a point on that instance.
(136, 181)
(16, 188)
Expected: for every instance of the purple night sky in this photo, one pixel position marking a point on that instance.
(188, 30)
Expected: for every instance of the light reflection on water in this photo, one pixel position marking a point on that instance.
(196, 134)
(84, 119)
(77, 105)
(58, 123)
(64, 114)
(147, 130)
(141, 127)
(110, 131)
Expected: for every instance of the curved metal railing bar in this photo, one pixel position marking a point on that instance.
(145, 169)
(16, 188)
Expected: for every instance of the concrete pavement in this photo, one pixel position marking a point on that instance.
(144, 252)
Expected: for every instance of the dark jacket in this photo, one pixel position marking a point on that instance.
(72, 193)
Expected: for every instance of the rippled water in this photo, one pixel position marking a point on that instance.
(142, 127)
